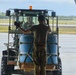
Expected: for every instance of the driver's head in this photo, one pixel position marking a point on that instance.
(41, 18)
(29, 19)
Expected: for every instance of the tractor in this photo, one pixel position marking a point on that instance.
(17, 58)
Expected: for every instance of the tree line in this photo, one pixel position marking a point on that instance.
(3, 16)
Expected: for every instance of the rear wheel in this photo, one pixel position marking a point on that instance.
(6, 69)
(48, 72)
(59, 67)
(27, 73)
(58, 71)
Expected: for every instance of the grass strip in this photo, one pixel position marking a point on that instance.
(62, 30)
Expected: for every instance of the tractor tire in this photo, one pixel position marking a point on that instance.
(48, 72)
(59, 67)
(11, 53)
(57, 72)
(6, 69)
(27, 73)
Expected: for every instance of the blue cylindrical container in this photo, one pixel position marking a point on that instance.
(26, 45)
(52, 60)
(52, 47)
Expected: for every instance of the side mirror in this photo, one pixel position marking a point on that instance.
(7, 12)
(53, 14)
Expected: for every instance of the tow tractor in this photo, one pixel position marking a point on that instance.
(17, 58)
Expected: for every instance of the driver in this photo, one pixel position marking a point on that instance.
(29, 23)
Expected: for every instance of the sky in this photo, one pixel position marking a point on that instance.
(61, 7)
